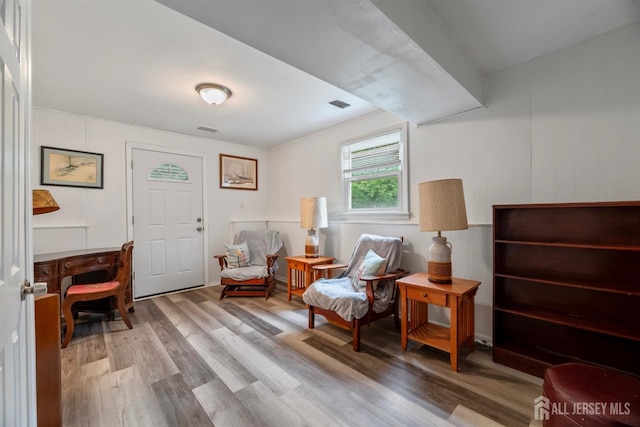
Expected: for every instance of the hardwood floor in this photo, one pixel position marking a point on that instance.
(193, 360)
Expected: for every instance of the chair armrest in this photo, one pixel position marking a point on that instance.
(222, 259)
(325, 267)
(396, 275)
(381, 277)
(324, 271)
(271, 259)
(369, 290)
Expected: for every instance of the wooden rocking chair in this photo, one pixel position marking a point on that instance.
(248, 267)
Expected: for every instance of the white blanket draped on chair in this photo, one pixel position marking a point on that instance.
(341, 296)
(261, 243)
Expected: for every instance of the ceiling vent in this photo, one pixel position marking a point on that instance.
(340, 104)
(208, 129)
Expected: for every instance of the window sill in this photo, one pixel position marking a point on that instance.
(374, 216)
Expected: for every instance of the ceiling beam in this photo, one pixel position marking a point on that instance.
(395, 54)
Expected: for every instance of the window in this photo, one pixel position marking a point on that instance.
(374, 174)
(168, 172)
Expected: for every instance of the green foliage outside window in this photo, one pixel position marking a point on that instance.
(375, 193)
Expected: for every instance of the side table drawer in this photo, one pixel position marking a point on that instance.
(297, 265)
(428, 297)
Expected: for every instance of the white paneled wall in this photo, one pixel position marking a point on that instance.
(560, 128)
(100, 214)
(586, 120)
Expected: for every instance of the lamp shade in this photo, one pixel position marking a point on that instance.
(213, 93)
(313, 212)
(43, 202)
(442, 205)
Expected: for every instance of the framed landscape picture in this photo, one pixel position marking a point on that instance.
(240, 173)
(71, 168)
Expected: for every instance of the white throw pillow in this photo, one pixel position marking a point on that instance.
(238, 255)
(372, 265)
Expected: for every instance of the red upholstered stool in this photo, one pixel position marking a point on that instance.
(586, 395)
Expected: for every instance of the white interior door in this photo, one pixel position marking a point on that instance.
(168, 222)
(17, 353)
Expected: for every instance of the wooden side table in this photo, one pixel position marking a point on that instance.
(416, 293)
(300, 273)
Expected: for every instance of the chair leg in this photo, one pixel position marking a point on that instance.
(355, 325)
(68, 319)
(396, 317)
(311, 318)
(123, 311)
(270, 288)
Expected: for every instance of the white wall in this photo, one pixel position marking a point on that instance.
(96, 218)
(563, 127)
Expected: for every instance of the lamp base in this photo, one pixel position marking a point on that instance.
(311, 252)
(439, 272)
(311, 244)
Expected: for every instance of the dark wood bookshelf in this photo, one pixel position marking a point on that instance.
(566, 285)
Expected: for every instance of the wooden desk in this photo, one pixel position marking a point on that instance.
(84, 266)
(300, 273)
(416, 292)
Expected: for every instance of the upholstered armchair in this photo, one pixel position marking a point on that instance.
(249, 265)
(364, 292)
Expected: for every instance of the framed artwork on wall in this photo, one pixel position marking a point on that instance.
(71, 168)
(240, 173)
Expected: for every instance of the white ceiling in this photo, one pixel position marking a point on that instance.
(138, 61)
(497, 34)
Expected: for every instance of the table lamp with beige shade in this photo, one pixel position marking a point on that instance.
(313, 214)
(442, 208)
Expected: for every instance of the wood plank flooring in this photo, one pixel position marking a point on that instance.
(193, 360)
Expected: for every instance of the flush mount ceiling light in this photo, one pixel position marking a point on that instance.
(213, 93)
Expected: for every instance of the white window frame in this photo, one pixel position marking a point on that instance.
(398, 213)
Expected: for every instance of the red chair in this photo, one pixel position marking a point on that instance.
(95, 291)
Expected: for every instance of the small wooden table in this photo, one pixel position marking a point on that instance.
(300, 273)
(416, 292)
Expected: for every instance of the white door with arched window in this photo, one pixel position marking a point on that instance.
(167, 222)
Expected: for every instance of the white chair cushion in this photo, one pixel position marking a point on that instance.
(245, 273)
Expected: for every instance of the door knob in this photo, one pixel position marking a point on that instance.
(38, 288)
(200, 228)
